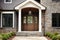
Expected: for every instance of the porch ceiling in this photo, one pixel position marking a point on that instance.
(30, 3)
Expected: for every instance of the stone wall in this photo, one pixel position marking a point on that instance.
(51, 7)
(6, 30)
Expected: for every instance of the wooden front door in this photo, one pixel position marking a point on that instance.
(30, 20)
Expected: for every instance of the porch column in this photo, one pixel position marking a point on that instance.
(19, 21)
(40, 26)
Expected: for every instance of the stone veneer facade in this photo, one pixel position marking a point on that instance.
(51, 7)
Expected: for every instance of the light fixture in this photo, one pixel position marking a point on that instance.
(30, 12)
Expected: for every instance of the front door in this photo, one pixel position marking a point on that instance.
(30, 20)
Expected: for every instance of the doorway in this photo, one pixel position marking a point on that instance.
(30, 19)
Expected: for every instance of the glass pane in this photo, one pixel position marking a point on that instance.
(54, 20)
(24, 19)
(7, 20)
(35, 19)
(30, 19)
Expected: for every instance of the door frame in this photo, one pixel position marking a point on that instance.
(30, 26)
(19, 21)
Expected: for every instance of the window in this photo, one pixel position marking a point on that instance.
(56, 19)
(24, 19)
(7, 1)
(7, 19)
(38, 1)
(35, 19)
(30, 19)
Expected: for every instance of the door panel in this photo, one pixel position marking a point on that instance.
(30, 23)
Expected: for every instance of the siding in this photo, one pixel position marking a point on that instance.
(7, 6)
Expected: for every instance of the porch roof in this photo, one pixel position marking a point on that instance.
(34, 2)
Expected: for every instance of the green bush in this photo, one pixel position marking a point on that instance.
(5, 37)
(2, 34)
(0, 37)
(54, 38)
(12, 33)
(47, 34)
(51, 35)
(58, 37)
(56, 33)
(9, 34)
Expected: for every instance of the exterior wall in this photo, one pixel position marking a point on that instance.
(10, 29)
(52, 7)
(43, 21)
(10, 6)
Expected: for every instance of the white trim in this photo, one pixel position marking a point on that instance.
(1, 20)
(40, 25)
(7, 2)
(7, 12)
(19, 21)
(30, 1)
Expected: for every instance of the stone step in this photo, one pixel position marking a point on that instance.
(29, 34)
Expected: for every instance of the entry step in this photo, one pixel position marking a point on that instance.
(29, 33)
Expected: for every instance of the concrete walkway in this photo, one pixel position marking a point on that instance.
(29, 38)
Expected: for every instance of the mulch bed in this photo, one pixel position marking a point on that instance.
(11, 38)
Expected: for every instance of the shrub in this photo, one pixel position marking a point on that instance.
(47, 34)
(54, 38)
(0, 37)
(58, 37)
(2, 34)
(51, 35)
(12, 33)
(9, 34)
(56, 33)
(4, 37)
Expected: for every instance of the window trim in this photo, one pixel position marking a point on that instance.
(7, 2)
(7, 12)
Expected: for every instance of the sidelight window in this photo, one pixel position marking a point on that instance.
(35, 19)
(24, 19)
